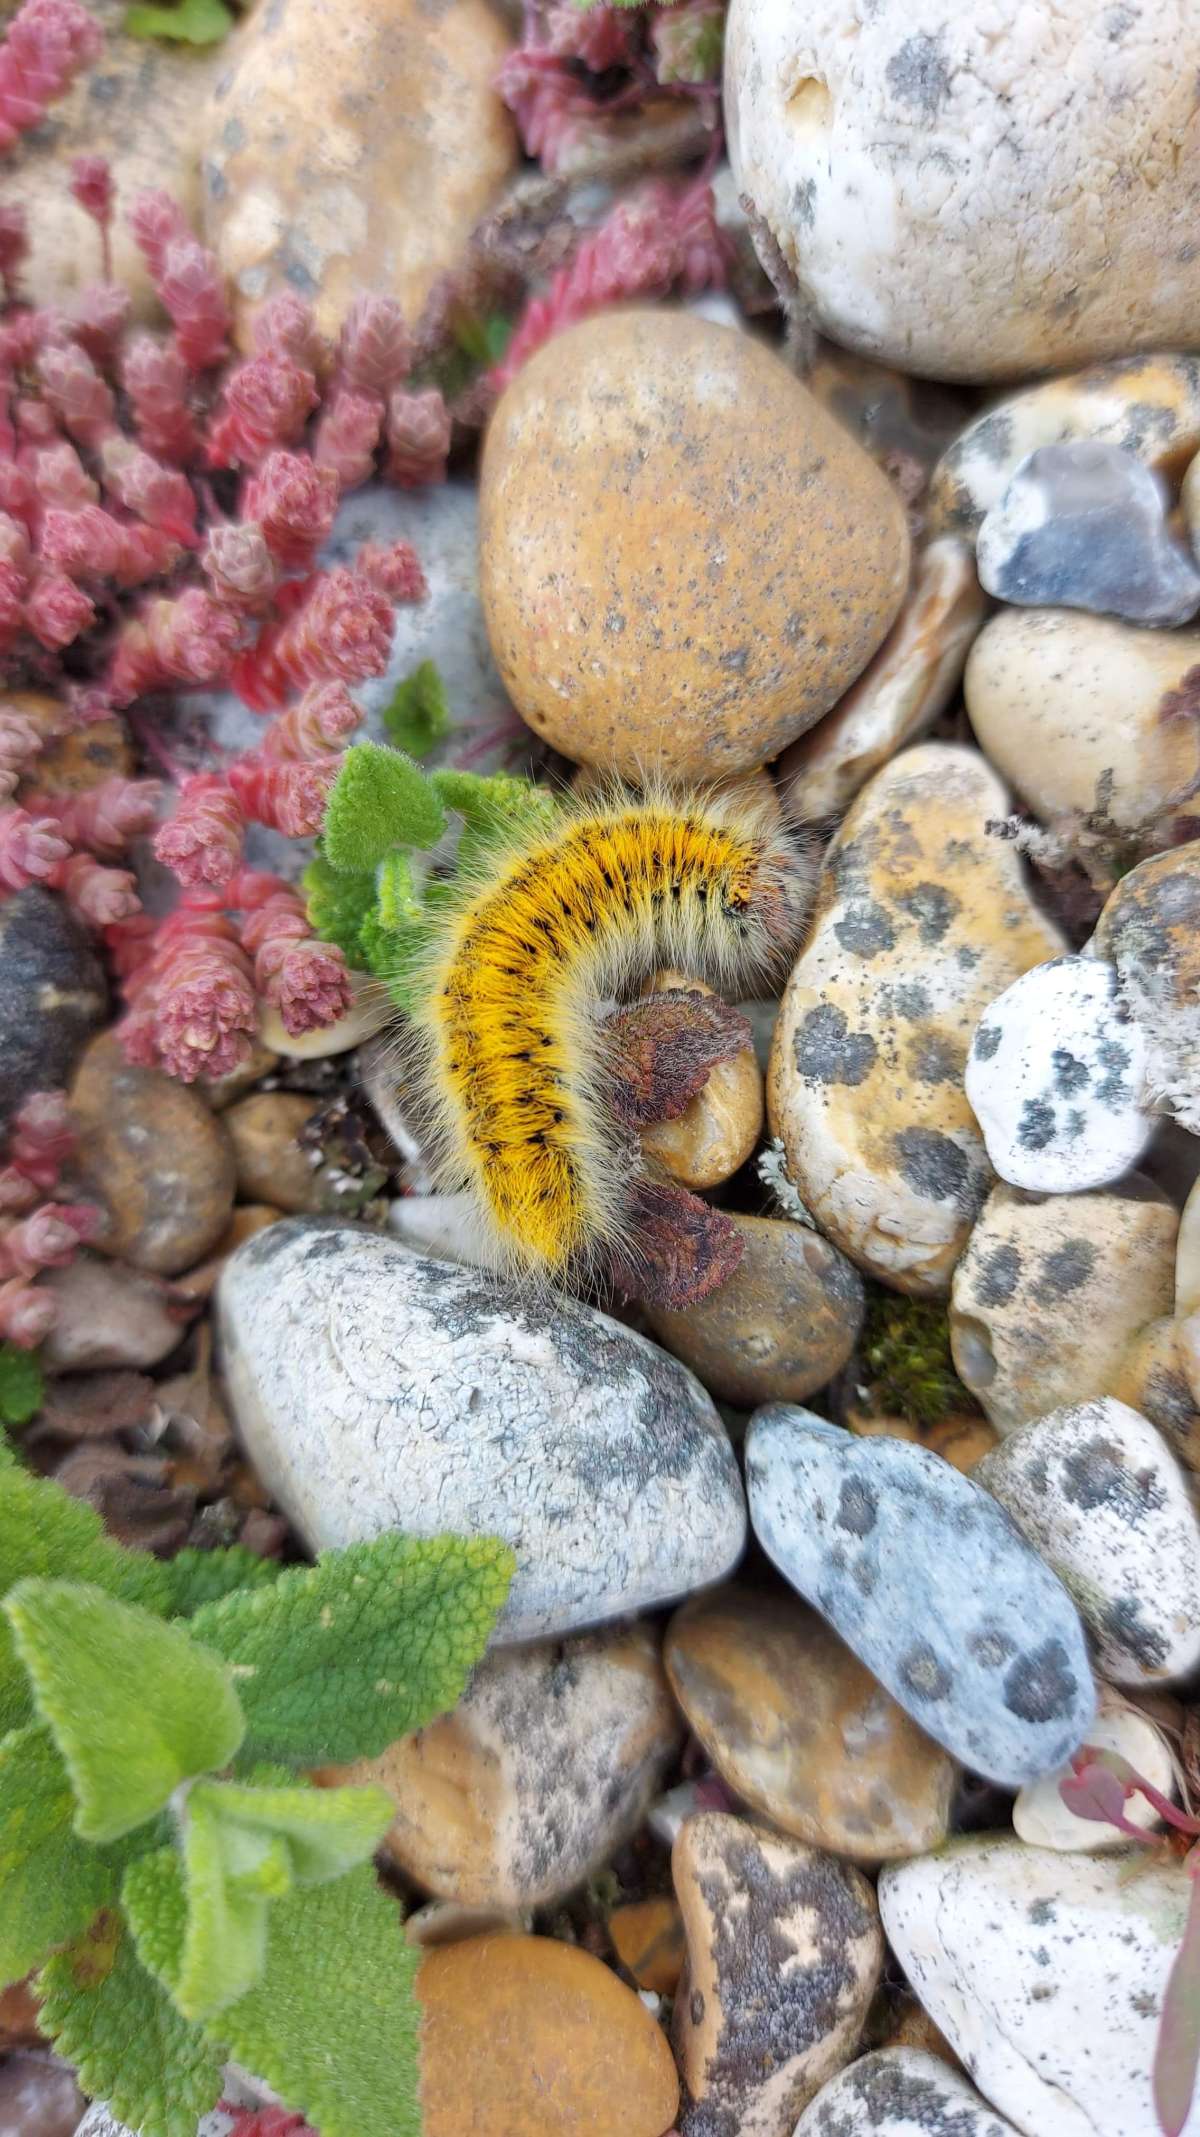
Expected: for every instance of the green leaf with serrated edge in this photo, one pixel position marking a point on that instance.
(197, 1577)
(339, 1659)
(417, 714)
(135, 1706)
(496, 801)
(117, 2024)
(338, 904)
(193, 22)
(51, 1883)
(43, 1530)
(379, 799)
(21, 1385)
(332, 2024)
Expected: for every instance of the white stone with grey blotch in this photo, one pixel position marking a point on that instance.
(900, 2092)
(1046, 1973)
(376, 1389)
(1056, 1077)
(1101, 1497)
(1084, 525)
(931, 1586)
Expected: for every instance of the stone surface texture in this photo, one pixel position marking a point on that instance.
(154, 1158)
(1083, 525)
(52, 994)
(901, 2092)
(1150, 928)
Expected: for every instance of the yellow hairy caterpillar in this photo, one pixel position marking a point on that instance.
(567, 922)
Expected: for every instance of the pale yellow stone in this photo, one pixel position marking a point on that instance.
(1152, 1378)
(719, 1127)
(272, 1166)
(371, 1009)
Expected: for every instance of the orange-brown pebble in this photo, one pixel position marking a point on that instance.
(151, 1154)
(72, 759)
(684, 559)
(718, 1129)
(526, 2037)
(647, 1937)
(272, 1165)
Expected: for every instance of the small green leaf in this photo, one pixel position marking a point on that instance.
(198, 1577)
(134, 1705)
(338, 905)
(192, 22)
(326, 1831)
(379, 799)
(109, 2017)
(399, 904)
(8, 1454)
(44, 1531)
(225, 1941)
(418, 715)
(51, 1884)
(21, 1385)
(495, 807)
(337, 1660)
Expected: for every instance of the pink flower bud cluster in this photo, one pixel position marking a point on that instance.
(37, 1234)
(47, 44)
(191, 1001)
(302, 977)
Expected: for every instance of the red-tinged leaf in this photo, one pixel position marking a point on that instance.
(1178, 2052)
(681, 1249)
(1094, 1793)
(663, 1049)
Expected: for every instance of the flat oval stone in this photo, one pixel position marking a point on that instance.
(1084, 525)
(52, 994)
(461, 1405)
(798, 1729)
(1089, 716)
(901, 2092)
(784, 1954)
(544, 1768)
(625, 644)
(154, 1158)
(920, 920)
(931, 1585)
(1052, 1292)
(525, 2033)
(900, 692)
(1101, 1497)
(1058, 1079)
(780, 1327)
(1150, 928)
(987, 1926)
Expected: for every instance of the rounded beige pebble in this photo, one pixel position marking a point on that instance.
(1052, 1291)
(353, 149)
(1088, 716)
(973, 191)
(271, 1164)
(719, 1127)
(685, 560)
(154, 1158)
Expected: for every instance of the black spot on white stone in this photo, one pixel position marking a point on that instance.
(986, 1042)
(924, 1675)
(1037, 1125)
(999, 1275)
(1064, 1270)
(918, 74)
(1041, 1685)
(936, 1168)
(1070, 1074)
(858, 1508)
(865, 930)
(933, 907)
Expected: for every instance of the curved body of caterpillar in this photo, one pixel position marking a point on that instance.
(514, 998)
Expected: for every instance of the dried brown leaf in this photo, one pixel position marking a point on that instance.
(681, 1250)
(662, 1049)
(84, 1406)
(131, 1493)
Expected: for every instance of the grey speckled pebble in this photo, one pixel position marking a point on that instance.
(1083, 525)
(901, 2092)
(52, 994)
(378, 1390)
(930, 1584)
(1100, 1495)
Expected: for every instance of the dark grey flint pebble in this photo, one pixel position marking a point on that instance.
(52, 995)
(1083, 525)
(376, 1389)
(946, 1604)
(901, 2092)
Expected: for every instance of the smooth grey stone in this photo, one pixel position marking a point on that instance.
(931, 1584)
(900, 2092)
(378, 1389)
(52, 994)
(1083, 525)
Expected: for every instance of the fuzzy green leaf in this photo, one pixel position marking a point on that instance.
(119, 2027)
(332, 2024)
(496, 804)
(51, 1884)
(325, 1831)
(45, 1532)
(339, 904)
(192, 22)
(337, 1660)
(134, 1705)
(398, 899)
(198, 1577)
(21, 1385)
(417, 715)
(8, 1454)
(379, 799)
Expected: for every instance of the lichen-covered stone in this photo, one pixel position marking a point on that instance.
(800, 1731)
(899, 694)
(901, 2092)
(784, 1953)
(1046, 1972)
(529, 2034)
(1043, 1820)
(685, 560)
(1090, 717)
(1153, 1378)
(943, 204)
(461, 1405)
(1100, 1496)
(932, 1586)
(154, 1159)
(780, 1327)
(1150, 928)
(1150, 405)
(52, 994)
(1084, 525)
(546, 1765)
(1053, 1290)
(351, 151)
(920, 920)
(1057, 1077)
